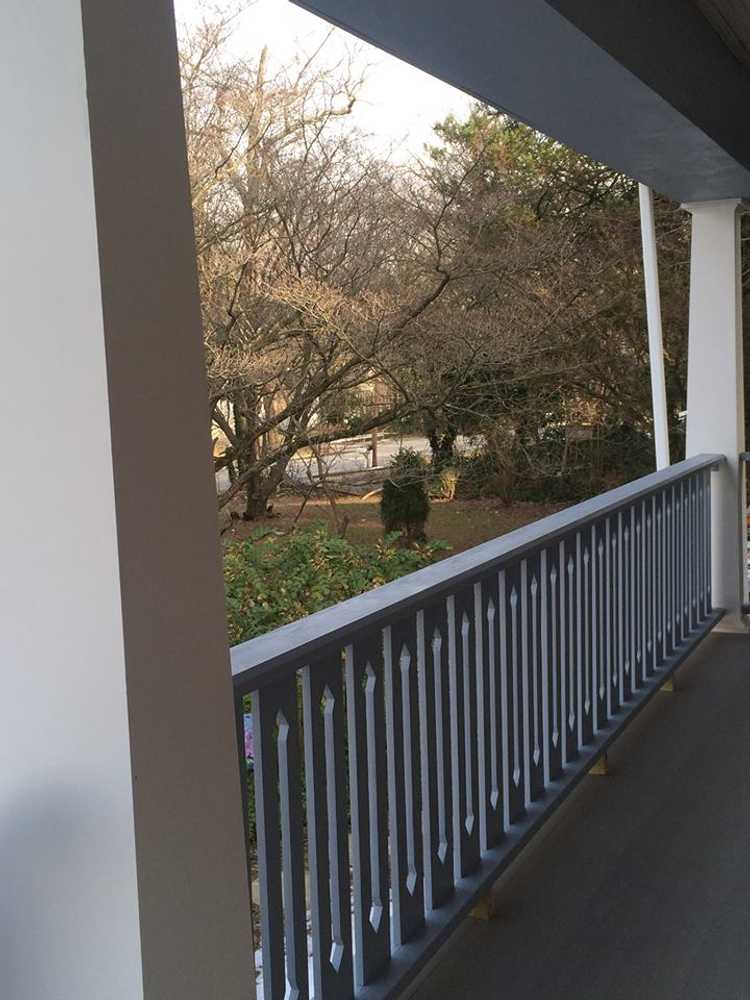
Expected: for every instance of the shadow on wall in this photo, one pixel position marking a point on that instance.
(50, 914)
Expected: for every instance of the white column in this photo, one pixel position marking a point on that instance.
(653, 315)
(715, 398)
(122, 872)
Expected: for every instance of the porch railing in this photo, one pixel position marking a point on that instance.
(408, 742)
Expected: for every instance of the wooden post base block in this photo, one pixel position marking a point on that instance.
(601, 767)
(485, 908)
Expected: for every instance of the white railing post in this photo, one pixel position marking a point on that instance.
(655, 340)
(715, 396)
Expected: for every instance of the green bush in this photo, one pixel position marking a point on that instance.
(553, 470)
(483, 473)
(273, 580)
(405, 505)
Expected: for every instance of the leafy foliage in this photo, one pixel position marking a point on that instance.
(555, 468)
(271, 581)
(493, 288)
(405, 505)
(554, 329)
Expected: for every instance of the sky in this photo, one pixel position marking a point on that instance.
(398, 105)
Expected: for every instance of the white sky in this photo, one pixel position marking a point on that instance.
(398, 105)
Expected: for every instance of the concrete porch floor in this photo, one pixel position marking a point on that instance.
(640, 888)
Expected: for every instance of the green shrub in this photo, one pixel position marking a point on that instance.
(483, 473)
(405, 505)
(552, 469)
(273, 580)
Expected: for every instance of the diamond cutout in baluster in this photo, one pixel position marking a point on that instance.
(437, 645)
(376, 915)
(411, 881)
(337, 953)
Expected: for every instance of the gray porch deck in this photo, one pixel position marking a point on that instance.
(640, 888)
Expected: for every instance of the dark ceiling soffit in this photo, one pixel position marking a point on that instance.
(672, 48)
(528, 59)
(731, 19)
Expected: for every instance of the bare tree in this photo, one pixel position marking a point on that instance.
(314, 264)
(463, 285)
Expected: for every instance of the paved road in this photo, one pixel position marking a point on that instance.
(350, 456)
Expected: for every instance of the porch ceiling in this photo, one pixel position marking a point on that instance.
(654, 90)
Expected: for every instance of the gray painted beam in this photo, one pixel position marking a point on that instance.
(652, 91)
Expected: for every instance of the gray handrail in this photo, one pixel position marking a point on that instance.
(252, 661)
(407, 743)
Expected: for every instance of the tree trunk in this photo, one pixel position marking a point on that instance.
(442, 437)
(256, 501)
(442, 446)
(245, 420)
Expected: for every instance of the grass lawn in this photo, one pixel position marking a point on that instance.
(461, 523)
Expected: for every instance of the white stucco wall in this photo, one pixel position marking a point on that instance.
(122, 871)
(68, 904)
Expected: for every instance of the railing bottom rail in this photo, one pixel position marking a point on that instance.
(411, 958)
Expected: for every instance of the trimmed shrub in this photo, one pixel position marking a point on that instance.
(405, 505)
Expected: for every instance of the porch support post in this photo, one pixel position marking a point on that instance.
(715, 394)
(653, 316)
(122, 869)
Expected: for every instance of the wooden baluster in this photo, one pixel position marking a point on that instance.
(435, 756)
(281, 860)
(369, 807)
(404, 778)
(488, 712)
